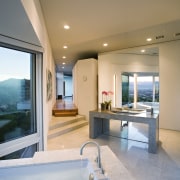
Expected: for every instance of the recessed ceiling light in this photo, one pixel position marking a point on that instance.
(65, 47)
(66, 26)
(143, 50)
(64, 57)
(63, 63)
(105, 44)
(176, 34)
(149, 39)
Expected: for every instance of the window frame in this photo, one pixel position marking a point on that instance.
(37, 137)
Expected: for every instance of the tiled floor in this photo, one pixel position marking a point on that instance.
(165, 165)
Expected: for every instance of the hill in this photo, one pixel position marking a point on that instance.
(10, 91)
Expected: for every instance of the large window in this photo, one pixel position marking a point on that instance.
(20, 129)
(16, 94)
(145, 86)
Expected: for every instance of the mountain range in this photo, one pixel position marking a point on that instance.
(10, 91)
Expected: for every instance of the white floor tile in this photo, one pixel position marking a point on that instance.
(165, 165)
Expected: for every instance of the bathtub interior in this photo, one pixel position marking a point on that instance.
(65, 170)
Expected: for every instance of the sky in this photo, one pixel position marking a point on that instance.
(14, 64)
(144, 79)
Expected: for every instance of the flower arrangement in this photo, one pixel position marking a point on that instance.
(106, 99)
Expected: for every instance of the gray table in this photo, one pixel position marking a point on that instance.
(98, 120)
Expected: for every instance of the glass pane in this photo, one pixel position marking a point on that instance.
(125, 89)
(27, 152)
(131, 89)
(145, 88)
(132, 131)
(16, 94)
(156, 89)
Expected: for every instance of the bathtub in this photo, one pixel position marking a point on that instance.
(79, 169)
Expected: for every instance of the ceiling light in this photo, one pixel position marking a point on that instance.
(66, 26)
(65, 47)
(149, 39)
(63, 67)
(143, 50)
(176, 34)
(63, 63)
(64, 57)
(105, 44)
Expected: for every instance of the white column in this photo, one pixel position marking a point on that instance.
(154, 89)
(135, 91)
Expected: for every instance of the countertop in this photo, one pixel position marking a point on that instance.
(114, 169)
(137, 117)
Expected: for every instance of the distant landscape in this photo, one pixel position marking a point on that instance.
(145, 91)
(14, 123)
(10, 94)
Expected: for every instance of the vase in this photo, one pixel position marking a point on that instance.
(108, 107)
(103, 106)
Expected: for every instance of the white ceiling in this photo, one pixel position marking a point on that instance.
(121, 23)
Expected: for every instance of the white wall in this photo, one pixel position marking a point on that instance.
(85, 86)
(34, 12)
(169, 60)
(116, 63)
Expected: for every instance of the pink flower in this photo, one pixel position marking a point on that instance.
(110, 93)
(106, 96)
(104, 93)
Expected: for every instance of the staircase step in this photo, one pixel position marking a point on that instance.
(65, 129)
(60, 122)
(64, 109)
(66, 112)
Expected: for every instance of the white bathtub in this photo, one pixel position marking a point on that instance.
(63, 170)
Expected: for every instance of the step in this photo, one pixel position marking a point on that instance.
(64, 109)
(65, 129)
(64, 112)
(60, 122)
